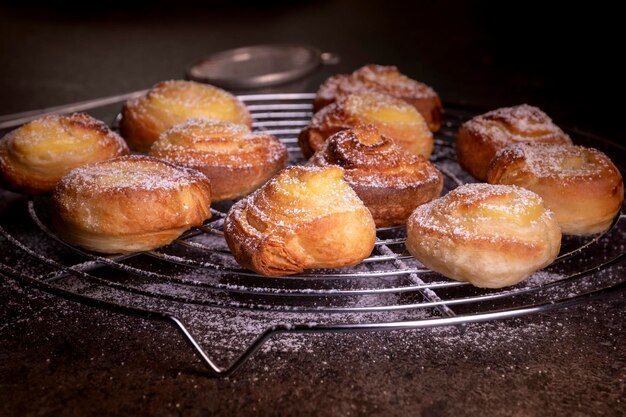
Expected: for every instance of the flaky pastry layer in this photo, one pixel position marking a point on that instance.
(580, 185)
(169, 103)
(489, 235)
(391, 181)
(34, 157)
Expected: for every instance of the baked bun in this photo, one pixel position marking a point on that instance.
(304, 217)
(383, 79)
(129, 204)
(393, 117)
(236, 161)
(481, 137)
(489, 235)
(34, 157)
(580, 185)
(169, 103)
(390, 181)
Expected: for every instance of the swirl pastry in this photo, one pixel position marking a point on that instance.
(481, 137)
(390, 181)
(34, 157)
(490, 235)
(580, 185)
(236, 161)
(304, 217)
(171, 102)
(393, 118)
(383, 79)
(129, 204)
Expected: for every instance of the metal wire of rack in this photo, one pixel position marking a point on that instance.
(389, 290)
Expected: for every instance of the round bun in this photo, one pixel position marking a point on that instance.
(383, 79)
(580, 185)
(236, 161)
(393, 117)
(304, 217)
(481, 137)
(169, 103)
(34, 157)
(489, 235)
(129, 204)
(390, 181)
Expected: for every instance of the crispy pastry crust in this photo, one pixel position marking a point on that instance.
(34, 157)
(172, 102)
(489, 235)
(391, 181)
(481, 137)
(580, 185)
(129, 204)
(236, 161)
(393, 117)
(383, 79)
(304, 217)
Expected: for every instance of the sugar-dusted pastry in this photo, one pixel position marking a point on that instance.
(304, 217)
(489, 235)
(235, 160)
(383, 79)
(34, 157)
(580, 185)
(171, 102)
(481, 137)
(394, 118)
(390, 181)
(129, 204)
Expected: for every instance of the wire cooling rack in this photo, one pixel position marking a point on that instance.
(195, 280)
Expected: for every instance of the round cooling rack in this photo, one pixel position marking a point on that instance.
(195, 282)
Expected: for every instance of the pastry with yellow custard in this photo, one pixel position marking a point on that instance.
(393, 117)
(34, 157)
(172, 102)
(390, 181)
(129, 204)
(383, 79)
(235, 160)
(481, 137)
(489, 235)
(304, 217)
(580, 185)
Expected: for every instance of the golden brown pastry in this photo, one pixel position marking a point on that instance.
(129, 204)
(236, 161)
(171, 102)
(383, 79)
(489, 235)
(393, 117)
(481, 137)
(580, 185)
(34, 157)
(390, 181)
(304, 217)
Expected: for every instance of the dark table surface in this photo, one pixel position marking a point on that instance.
(62, 358)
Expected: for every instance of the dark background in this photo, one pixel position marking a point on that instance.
(562, 58)
(60, 358)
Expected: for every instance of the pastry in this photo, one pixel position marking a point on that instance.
(390, 181)
(489, 235)
(236, 161)
(580, 185)
(392, 116)
(304, 217)
(129, 204)
(481, 137)
(171, 102)
(383, 79)
(34, 157)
